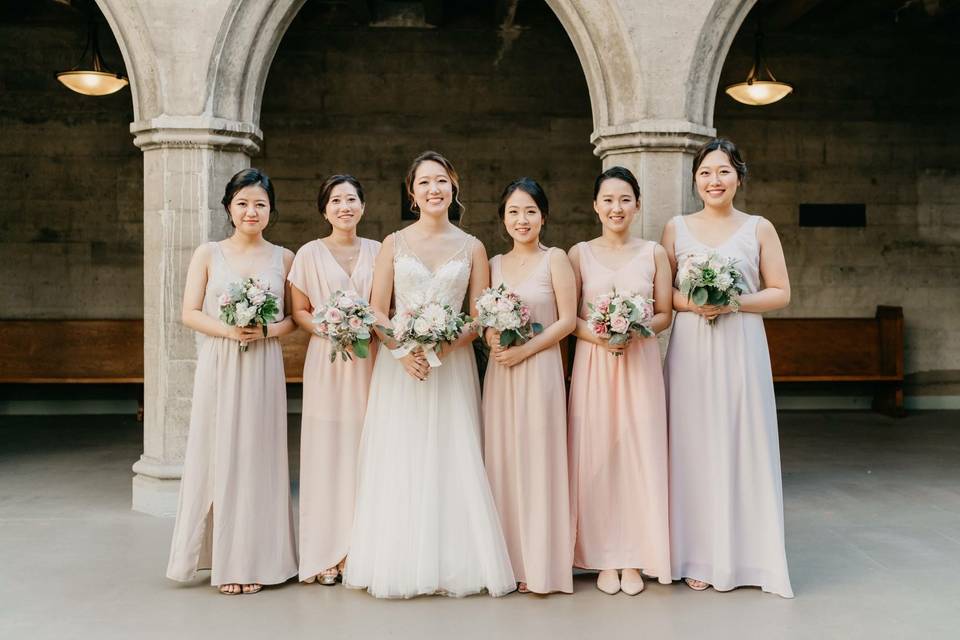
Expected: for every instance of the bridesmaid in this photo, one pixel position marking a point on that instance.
(335, 393)
(234, 513)
(726, 501)
(524, 398)
(618, 422)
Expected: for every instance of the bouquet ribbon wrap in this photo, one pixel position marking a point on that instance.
(428, 349)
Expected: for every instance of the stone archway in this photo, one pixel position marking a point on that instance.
(198, 73)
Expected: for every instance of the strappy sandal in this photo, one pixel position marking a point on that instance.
(252, 588)
(224, 589)
(522, 588)
(696, 585)
(328, 577)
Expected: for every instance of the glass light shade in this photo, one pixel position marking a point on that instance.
(92, 83)
(759, 92)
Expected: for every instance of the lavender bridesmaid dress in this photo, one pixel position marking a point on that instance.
(726, 501)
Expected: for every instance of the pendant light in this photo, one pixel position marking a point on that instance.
(96, 79)
(760, 88)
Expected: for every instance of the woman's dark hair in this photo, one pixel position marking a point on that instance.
(435, 157)
(530, 187)
(249, 178)
(618, 173)
(731, 151)
(323, 198)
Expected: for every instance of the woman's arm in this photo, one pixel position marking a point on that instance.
(381, 291)
(192, 314)
(662, 291)
(565, 289)
(479, 280)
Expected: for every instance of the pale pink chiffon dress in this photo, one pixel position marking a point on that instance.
(618, 436)
(334, 404)
(525, 446)
(726, 501)
(234, 515)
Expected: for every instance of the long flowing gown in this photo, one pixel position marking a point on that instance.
(334, 403)
(618, 436)
(726, 500)
(234, 513)
(525, 446)
(425, 521)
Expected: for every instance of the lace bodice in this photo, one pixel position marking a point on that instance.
(415, 284)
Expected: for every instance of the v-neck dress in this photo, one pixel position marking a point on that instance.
(525, 446)
(234, 514)
(726, 500)
(334, 403)
(618, 436)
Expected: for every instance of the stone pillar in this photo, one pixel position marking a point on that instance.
(660, 153)
(187, 160)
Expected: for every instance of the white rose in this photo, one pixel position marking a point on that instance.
(724, 280)
(421, 326)
(507, 320)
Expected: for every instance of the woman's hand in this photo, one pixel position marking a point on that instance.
(492, 337)
(509, 356)
(711, 311)
(416, 365)
(614, 349)
(245, 335)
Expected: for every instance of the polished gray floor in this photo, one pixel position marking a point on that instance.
(873, 539)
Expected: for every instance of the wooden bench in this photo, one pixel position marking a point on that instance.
(95, 352)
(868, 350)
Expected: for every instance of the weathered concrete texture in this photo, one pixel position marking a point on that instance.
(343, 98)
(872, 130)
(71, 228)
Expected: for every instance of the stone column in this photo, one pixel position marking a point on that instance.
(660, 153)
(187, 160)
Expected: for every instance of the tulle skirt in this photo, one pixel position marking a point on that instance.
(425, 521)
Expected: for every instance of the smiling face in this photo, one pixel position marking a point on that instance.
(250, 210)
(344, 207)
(717, 180)
(616, 206)
(522, 217)
(432, 188)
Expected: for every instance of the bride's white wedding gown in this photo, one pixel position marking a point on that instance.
(425, 520)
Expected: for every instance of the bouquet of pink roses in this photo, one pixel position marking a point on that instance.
(503, 310)
(247, 303)
(345, 320)
(426, 327)
(710, 279)
(617, 317)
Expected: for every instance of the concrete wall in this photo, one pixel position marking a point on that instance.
(342, 98)
(71, 226)
(870, 122)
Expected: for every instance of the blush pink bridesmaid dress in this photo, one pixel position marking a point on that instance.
(525, 447)
(334, 404)
(618, 436)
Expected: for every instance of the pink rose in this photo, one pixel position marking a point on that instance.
(599, 328)
(355, 323)
(504, 305)
(224, 299)
(322, 328)
(333, 315)
(619, 324)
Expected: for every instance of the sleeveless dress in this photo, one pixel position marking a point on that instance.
(726, 500)
(234, 514)
(425, 521)
(618, 436)
(334, 402)
(525, 446)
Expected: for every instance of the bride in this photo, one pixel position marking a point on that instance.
(425, 520)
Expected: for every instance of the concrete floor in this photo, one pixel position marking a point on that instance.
(873, 541)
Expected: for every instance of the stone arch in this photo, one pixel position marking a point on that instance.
(713, 43)
(128, 26)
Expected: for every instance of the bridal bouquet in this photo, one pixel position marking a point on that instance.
(426, 327)
(617, 317)
(503, 310)
(248, 303)
(710, 279)
(346, 320)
